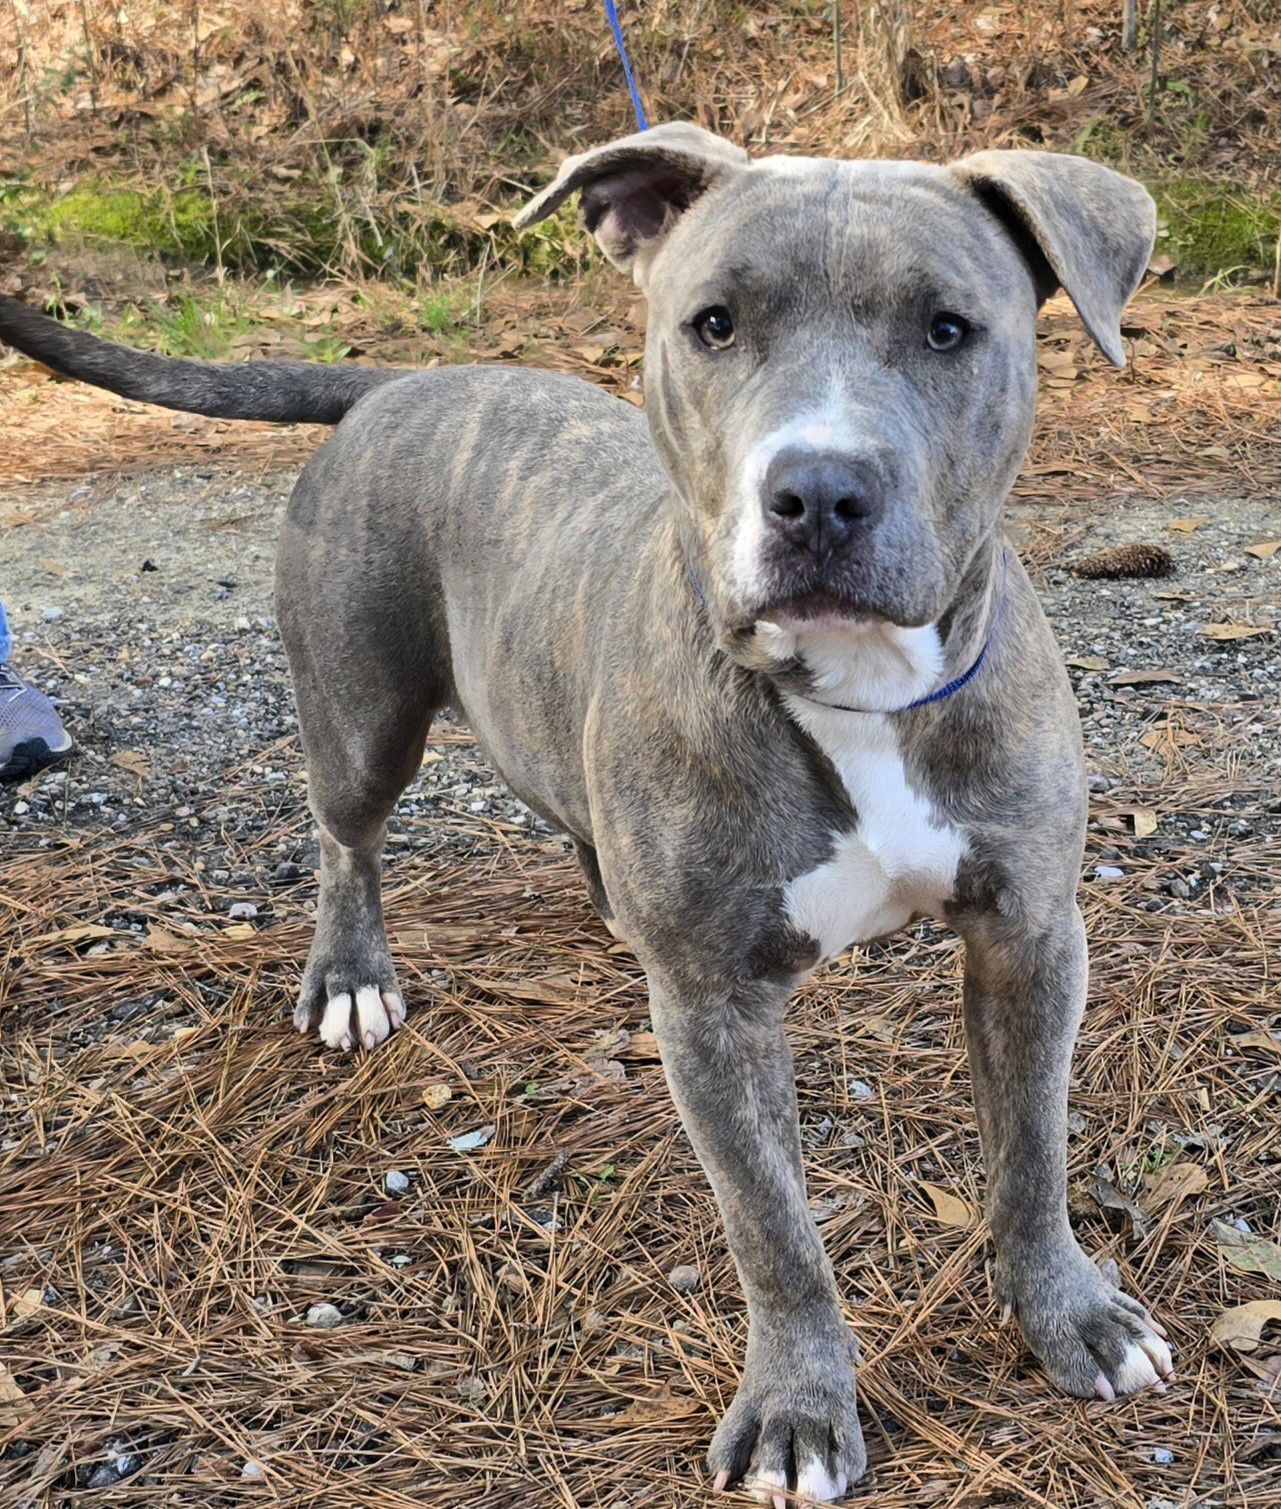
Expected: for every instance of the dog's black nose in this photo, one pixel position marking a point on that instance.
(820, 501)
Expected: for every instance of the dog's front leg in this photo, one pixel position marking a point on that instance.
(793, 1424)
(1024, 995)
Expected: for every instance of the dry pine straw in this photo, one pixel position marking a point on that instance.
(172, 1170)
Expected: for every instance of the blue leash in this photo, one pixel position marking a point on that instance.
(611, 10)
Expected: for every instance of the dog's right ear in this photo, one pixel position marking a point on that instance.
(635, 189)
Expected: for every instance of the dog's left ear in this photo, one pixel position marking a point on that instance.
(635, 189)
(1082, 227)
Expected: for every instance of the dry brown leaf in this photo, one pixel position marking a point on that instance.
(161, 942)
(1264, 550)
(26, 1304)
(1144, 820)
(1246, 1252)
(541, 992)
(1234, 630)
(132, 760)
(948, 1208)
(1143, 678)
(1173, 1184)
(1259, 1039)
(1087, 662)
(1110, 1198)
(240, 930)
(14, 1404)
(1186, 526)
(1241, 1328)
(1171, 738)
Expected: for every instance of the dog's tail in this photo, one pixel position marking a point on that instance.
(284, 392)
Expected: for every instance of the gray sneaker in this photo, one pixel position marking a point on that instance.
(31, 733)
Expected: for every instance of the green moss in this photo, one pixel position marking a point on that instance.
(313, 229)
(1209, 231)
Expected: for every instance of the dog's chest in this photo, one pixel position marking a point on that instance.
(899, 861)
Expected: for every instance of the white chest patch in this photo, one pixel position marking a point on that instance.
(900, 861)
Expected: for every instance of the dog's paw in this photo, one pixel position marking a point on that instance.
(792, 1430)
(349, 1016)
(1093, 1340)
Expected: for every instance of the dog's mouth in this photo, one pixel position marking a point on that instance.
(814, 612)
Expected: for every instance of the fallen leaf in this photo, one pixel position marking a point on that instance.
(1087, 662)
(1235, 630)
(239, 930)
(1144, 820)
(1247, 1253)
(161, 942)
(132, 760)
(1173, 1184)
(1161, 738)
(948, 1208)
(1241, 1328)
(1264, 550)
(436, 1094)
(1109, 1197)
(642, 1045)
(469, 1142)
(660, 1405)
(80, 933)
(14, 1404)
(1143, 678)
(26, 1304)
(538, 991)
(1259, 1039)
(1186, 526)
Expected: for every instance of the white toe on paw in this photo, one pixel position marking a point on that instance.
(371, 1013)
(813, 1482)
(1159, 1352)
(335, 1025)
(1136, 1370)
(767, 1487)
(395, 1009)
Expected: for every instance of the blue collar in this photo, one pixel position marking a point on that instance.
(943, 692)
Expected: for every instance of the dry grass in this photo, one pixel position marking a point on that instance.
(384, 114)
(188, 1183)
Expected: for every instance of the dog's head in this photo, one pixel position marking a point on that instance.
(840, 364)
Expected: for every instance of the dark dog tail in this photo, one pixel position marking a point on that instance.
(285, 392)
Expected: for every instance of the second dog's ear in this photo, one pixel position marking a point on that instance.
(1081, 226)
(635, 189)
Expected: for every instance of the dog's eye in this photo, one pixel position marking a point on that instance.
(715, 327)
(946, 332)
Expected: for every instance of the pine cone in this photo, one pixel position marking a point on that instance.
(1126, 560)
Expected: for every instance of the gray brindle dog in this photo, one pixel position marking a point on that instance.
(718, 645)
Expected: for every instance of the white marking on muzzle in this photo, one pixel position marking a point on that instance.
(819, 430)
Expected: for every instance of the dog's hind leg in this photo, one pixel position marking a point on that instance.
(370, 669)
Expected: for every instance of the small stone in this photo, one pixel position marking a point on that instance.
(252, 1469)
(104, 1476)
(324, 1317)
(396, 1183)
(1099, 784)
(1162, 1456)
(684, 1278)
(859, 1089)
(1108, 872)
(52, 615)
(242, 911)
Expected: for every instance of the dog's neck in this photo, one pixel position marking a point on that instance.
(878, 666)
